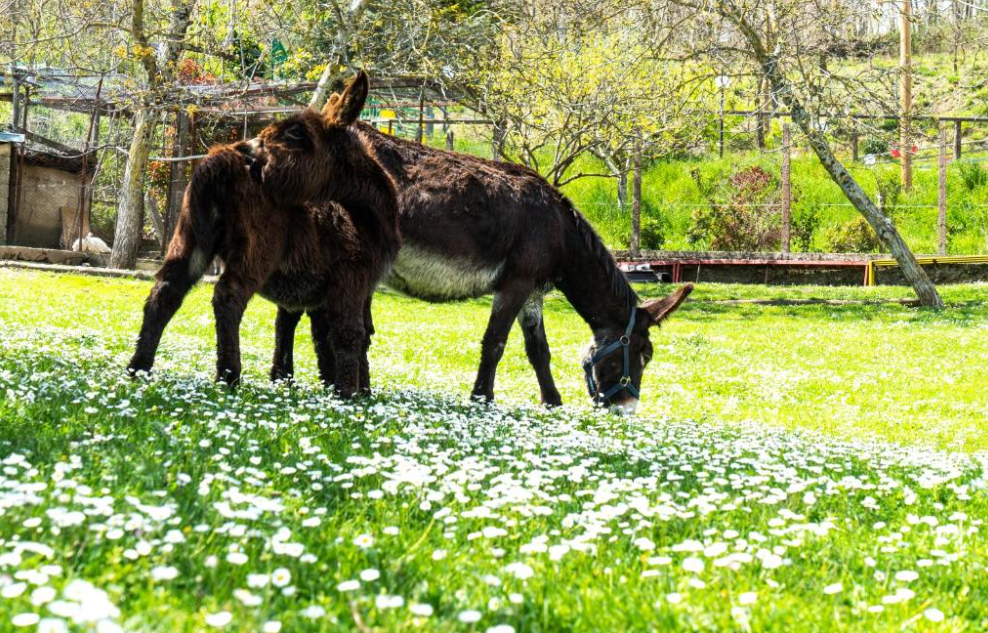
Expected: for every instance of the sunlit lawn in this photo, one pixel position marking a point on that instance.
(796, 467)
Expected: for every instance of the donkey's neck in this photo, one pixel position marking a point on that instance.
(370, 194)
(593, 283)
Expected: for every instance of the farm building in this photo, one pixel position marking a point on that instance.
(44, 205)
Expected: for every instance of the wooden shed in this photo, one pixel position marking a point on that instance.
(47, 200)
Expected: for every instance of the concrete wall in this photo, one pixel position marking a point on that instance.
(5, 149)
(44, 191)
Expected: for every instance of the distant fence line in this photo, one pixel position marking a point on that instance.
(956, 120)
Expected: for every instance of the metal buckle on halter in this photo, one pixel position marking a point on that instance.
(624, 384)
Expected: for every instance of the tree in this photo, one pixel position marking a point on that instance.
(159, 64)
(565, 79)
(797, 71)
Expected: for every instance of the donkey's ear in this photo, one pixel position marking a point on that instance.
(659, 309)
(346, 109)
(331, 105)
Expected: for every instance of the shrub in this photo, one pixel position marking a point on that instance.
(889, 189)
(652, 233)
(743, 215)
(973, 175)
(803, 225)
(854, 236)
(875, 145)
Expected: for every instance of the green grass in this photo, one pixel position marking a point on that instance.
(784, 448)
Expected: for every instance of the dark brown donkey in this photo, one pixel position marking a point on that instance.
(472, 227)
(269, 211)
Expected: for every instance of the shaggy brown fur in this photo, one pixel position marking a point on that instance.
(304, 216)
(472, 227)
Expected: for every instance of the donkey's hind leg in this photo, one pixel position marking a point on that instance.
(172, 283)
(509, 298)
(233, 290)
(325, 356)
(283, 365)
(537, 348)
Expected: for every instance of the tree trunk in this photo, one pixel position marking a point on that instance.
(761, 120)
(883, 227)
(331, 74)
(886, 231)
(498, 137)
(127, 234)
(622, 190)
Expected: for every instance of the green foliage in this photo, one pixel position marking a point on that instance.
(973, 175)
(652, 231)
(875, 145)
(743, 213)
(249, 61)
(888, 195)
(804, 221)
(853, 236)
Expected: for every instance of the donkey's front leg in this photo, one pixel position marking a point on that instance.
(283, 364)
(348, 336)
(508, 301)
(532, 325)
(365, 385)
(325, 356)
(229, 302)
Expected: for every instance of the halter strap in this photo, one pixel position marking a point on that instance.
(624, 383)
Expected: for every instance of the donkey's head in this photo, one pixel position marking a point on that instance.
(312, 154)
(615, 360)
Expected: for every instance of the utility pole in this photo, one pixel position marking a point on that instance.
(905, 93)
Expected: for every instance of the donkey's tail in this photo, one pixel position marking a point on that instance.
(195, 242)
(205, 188)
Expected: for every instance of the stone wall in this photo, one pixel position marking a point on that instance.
(5, 168)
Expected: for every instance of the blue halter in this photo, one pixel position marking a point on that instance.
(625, 382)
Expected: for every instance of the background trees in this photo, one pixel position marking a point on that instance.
(573, 88)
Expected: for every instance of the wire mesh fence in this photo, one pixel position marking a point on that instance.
(55, 205)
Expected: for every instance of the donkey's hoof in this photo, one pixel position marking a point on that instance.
(281, 375)
(138, 366)
(486, 399)
(229, 377)
(345, 393)
(551, 402)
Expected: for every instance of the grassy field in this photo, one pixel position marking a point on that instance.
(810, 467)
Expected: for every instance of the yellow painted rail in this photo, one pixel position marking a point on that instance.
(875, 264)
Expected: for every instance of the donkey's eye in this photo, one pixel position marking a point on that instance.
(295, 134)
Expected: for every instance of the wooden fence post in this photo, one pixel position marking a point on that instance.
(420, 129)
(176, 179)
(854, 146)
(720, 137)
(905, 94)
(636, 203)
(957, 140)
(786, 187)
(942, 195)
(450, 143)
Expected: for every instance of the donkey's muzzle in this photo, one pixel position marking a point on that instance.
(249, 149)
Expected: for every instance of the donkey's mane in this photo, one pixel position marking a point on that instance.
(618, 282)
